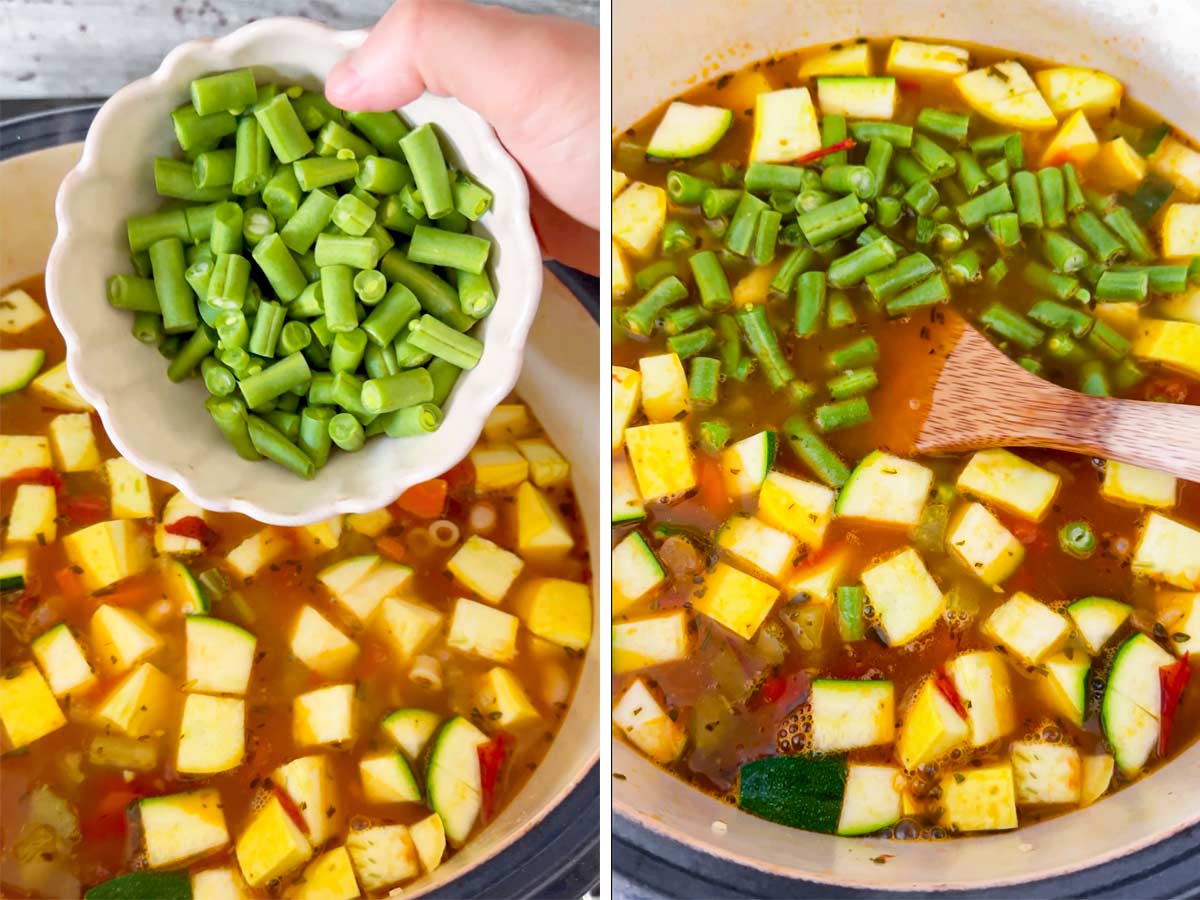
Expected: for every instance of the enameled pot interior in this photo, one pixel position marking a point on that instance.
(662, 48)
(558, 381)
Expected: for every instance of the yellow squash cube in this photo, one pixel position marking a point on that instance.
(982, 680)
(140, 704)
(1123, 316)
(74, 442)
(486, 568)
(177, 828)
(547, 467)
(328, 877)
(371, 524)
(931, 728)
(1168, 551)
(803, 509)
(619, 180)
(818, 581)
(1045, 773)
(1071, 88)
(480, 630)
(852, 60)
(28, 709)
(320, 645)
(983, 544)
(34, 516)
(542, 535)
(622, 280)
(785, 126)
(55, 386)
(320, 536)
(736, 600)
(1075, 142)
(851, 714)
(212, 735)
(107, 552)
(502, 700)
(1180, 164)
(1119, 165)
(641, 719)
(129, 490)
(626, 397)
(260, 549)
(907, 600)
(62, 661)
(1126, 483)
(556, 609)
(1030, 629)
(19, 312)
(766, 551)
(121, 638)
(1004, 93)
(507, 422)
(176, 508)
(1181, 230)
(498, 467)
(311, 783)
(1010, 482)
(429, 837)
(1175, 345)
(916, 59)
(661, 456)
(23, 451)
(326, 716)
(982, 799)
(638, 215)
(407, 625)
(383, 856)
(639, 643)
(664, 387)
(272, 845)
(223, 883)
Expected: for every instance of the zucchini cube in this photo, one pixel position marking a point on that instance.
(1045, 773)
(62, 661)
(802, 508)
(311, 783)
(918, 59)
(636, 573)
(328, 877)
(498, 467)
(318, 643)
(411, 729)
(1028, 628)
(981, 543)
(736, 600)
(387, 778)
(383, 856)
(931, 728)
(982, 799)
(260, 549)
(1065, 684)
(220, 656)
(21, 451)
(121, 638)
(1010, 482)
(1097, 619)
(503, 700)
(872, 800)
(74, 442)
(661, 456)
(1168, 551)
(857, 97)
(1133, 485)
(28, 710)
(326, 716)
(178, 828)
(627, 505)
(212, 735)
(107, 552)
(542, 534)
(140, 703)
(485, 567)
(480, 630)
(407, 625)
(34, 515)
(850, 714)
(768, 552)
(639, 643)
(785, 126)
(641, 719)
(556, 609)
(128, 491)
(271, 846)
(907, 601)
(547, 467)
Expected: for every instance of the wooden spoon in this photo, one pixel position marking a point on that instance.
(978, 397)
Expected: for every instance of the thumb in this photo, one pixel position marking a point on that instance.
(535, 79)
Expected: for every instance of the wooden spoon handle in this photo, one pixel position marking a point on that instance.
(1160, 436)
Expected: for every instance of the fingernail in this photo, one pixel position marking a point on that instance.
(344, 80)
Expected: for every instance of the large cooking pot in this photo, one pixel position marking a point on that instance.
(662, 47)
(545, 842)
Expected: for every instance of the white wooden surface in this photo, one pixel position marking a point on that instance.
(89, 48)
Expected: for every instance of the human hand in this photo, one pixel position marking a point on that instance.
(534, 78)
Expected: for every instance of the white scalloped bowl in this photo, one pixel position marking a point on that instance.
(161, 427)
